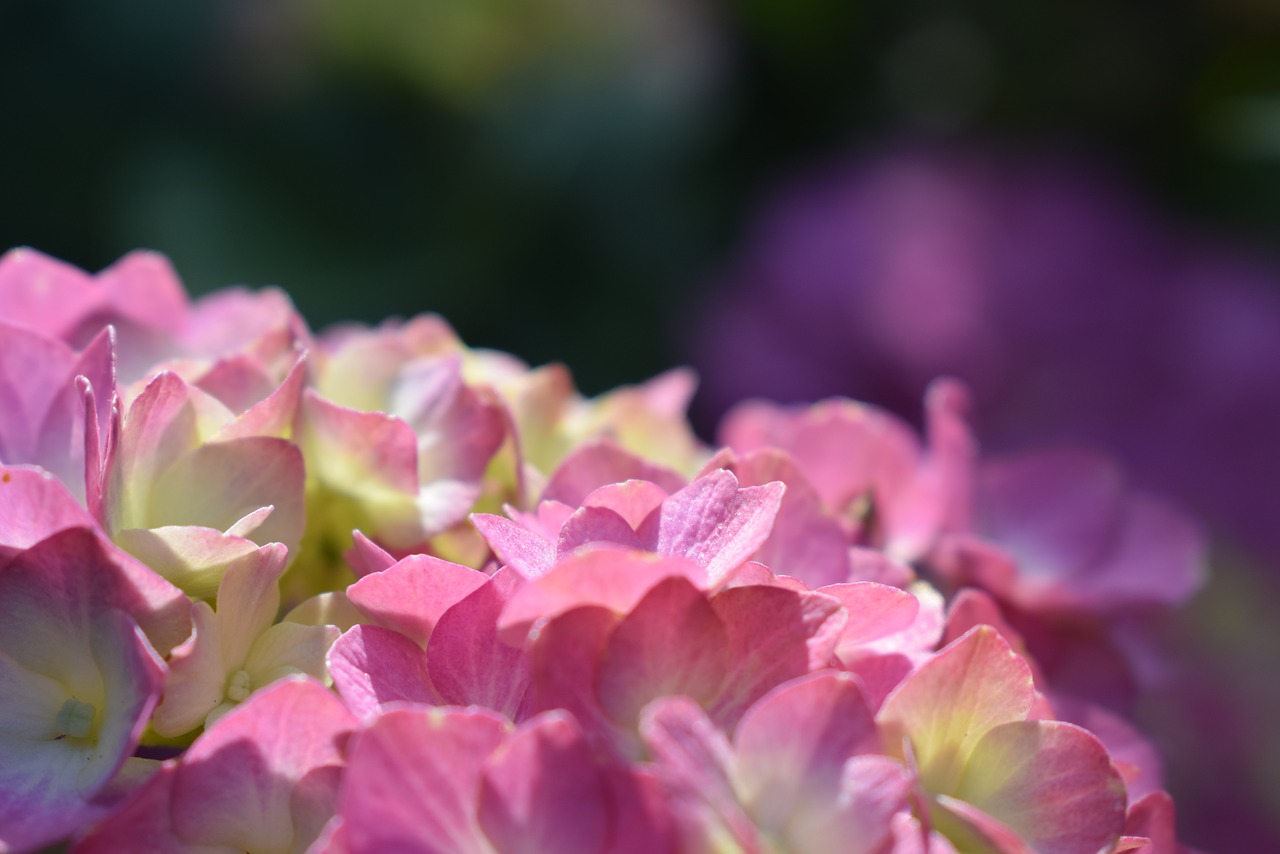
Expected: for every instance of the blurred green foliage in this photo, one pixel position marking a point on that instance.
(558, 177)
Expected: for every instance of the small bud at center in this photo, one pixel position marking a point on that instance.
(238, 687)
(75, 718)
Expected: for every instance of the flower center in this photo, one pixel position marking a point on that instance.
(238, 687)
(75, 719)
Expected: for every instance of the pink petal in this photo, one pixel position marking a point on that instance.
(541, 790)
(411, 596)
(516, 546)
(45, 294)
(469, 665)
(595, 525)
(774, 635)
(856, 818)
(692, 760)
(271, 415)
(1153, 816)
(633, 500)
(952, 700)
(75, 565)
(875, 611)
(564, 658)
(805, 542)
(598, 464)
(672, 642)
(714, 523)
(612, 579)
(143, 824)
(413, 780)
(236, 785)
(372, 667)
(792, 746)
(1051, 782)
(642, 822)
(366, 556)
(33, 505)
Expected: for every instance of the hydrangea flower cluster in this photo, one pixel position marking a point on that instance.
(376, 591)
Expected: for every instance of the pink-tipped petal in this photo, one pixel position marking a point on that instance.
(875, 610)
(366, 556)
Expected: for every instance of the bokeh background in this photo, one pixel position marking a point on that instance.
(1074, 206)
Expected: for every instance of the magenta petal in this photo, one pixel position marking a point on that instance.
(774, 635)
(516, 546)
(598, 464)
(692, 760)
(792, 745)
(469, 665)
(236, 786)
(143, 824)
(413, 779)
(411, 596)
(805, 541)
(372, 667)
(672, 642)
(1153, 816)
(564, 658)
(714, 523)
(641, 819)
(633, 500)
(542, 792)
(595, 525)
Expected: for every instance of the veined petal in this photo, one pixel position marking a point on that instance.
(952, 700)
(1051, 782)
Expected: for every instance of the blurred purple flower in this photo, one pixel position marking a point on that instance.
(1074, 312)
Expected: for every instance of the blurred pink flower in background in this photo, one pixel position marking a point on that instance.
(1077, 314)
